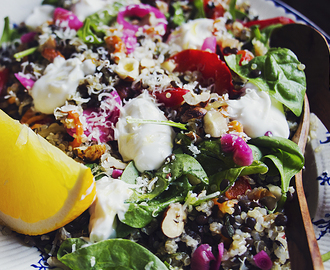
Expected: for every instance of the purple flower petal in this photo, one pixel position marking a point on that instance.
(210, 44)
(202, 258)
(262, 260)
(26, 82)
(28, 37)
(63, 15)
(242, 153)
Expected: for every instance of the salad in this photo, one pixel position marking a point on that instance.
(184, 115)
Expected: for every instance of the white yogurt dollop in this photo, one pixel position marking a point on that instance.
(259, 113)
(147, 144)
(111, 195)
(84, 8)
(192, 34)
(40, 15)
(59, 81)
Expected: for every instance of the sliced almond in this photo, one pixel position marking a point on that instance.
(174, 220)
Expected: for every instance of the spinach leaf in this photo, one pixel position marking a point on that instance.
(232, 174)
(140, 215)
(285, 155)
(56, 3)
(97, 170)
(178, 17)
(130, 174)
(198, 9)
(234, 12)
(8, 34)
(89, 34)
(108, 254)
(180, 165)
(280, 77)
(92, 32)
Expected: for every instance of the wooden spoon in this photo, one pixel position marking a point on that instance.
(313, 51)
(303, 247)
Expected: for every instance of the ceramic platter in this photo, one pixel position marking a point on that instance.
(15, 255)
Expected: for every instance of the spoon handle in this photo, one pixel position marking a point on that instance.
(303, 246)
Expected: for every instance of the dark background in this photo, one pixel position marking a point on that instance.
(317, 11)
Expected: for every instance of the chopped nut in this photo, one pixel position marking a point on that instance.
(91, 153)
(215, 123)
(174, 220)
(194, 99)
(192, 113)
(128, 69)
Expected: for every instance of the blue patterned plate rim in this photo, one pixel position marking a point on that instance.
(300, 17)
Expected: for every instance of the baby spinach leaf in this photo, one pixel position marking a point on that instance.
(232, 174)
(280, 77)
(8, 34)
(180, 165)
(234, 12)
(130, 174)
(198, 9)
(92, 32)
(178, 17)
(285, 155)
(56, 3)
(89, 34)
(140, 215)
(108, 254)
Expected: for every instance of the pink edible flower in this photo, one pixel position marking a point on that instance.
(209, 44)
(116, 173)
(262, 260)
(242, 153)
(140, 10)
(129, 39)
(26, 82)
(100, 121)
(203, 258)
(63, 15)
(28, 37)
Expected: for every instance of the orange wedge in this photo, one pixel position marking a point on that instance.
(41, 188)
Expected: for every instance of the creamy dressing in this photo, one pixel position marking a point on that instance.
(40, 15)
(147, 144)
(84, 8)
(259, 113)
(59, 81)
(192, 34)
(111, 195)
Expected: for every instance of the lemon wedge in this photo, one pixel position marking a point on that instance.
(41, 188)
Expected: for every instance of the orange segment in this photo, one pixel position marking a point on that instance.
(41, 188)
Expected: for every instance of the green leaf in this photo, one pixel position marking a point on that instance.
(232, 9)
(198, 9)
(130, 174)
(117, 254)
(8, 34)
(326, 256)
(285, 155)
(178, 17)
(232, 174)
(131, 120)
(86, 33)
(92, 31)
(56, 3)
(140, 215)
(280, 76)
(27, 52)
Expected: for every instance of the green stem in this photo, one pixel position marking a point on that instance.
(27, 52)
(325, 256)
(131, 120)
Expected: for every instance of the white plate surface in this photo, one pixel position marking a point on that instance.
(17, 256)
